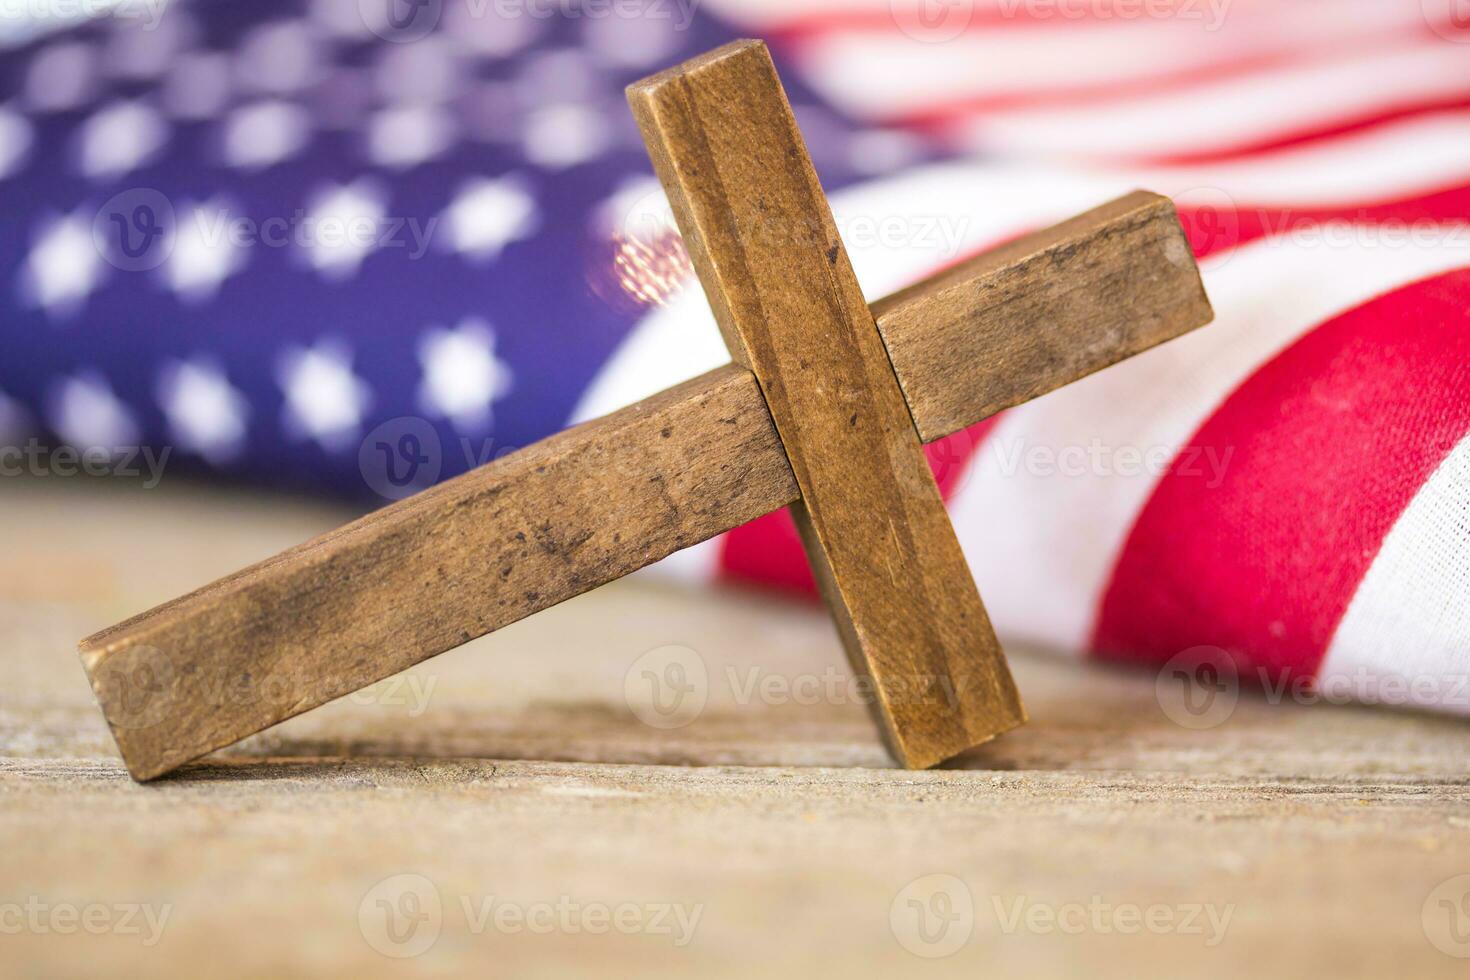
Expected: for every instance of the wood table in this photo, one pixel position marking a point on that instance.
(514, 773)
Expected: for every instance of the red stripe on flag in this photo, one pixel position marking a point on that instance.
(768, 551)
(1215, 229)
(1328, 443)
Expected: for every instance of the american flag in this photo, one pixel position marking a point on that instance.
(356, 247)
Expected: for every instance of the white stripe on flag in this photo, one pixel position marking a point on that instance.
(1223, 115)
(1405, 638)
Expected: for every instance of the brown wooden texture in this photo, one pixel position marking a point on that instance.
(593, 503)
(462, 559)
(760, 233)
(1042, 311)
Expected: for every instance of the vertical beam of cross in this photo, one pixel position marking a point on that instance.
(760, 233)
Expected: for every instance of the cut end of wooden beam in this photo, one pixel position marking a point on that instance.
(694, 65)
(134, 685)
(917, 745)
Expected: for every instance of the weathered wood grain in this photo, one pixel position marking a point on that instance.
(1042, 311)
(414, 579)
(757, 225)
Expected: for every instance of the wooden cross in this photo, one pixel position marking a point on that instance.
(824, 409)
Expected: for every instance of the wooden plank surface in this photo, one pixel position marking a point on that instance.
(327, 595)
(762, 237)
(1328, 829)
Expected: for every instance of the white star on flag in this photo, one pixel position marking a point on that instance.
(325, 400)
(16, 136)
(487, 215)
(265, 133)
(121, 137)
(560, 136)
(86, 414)
(462, 375)
(204, 253)
(62, 76)
(206, 414)
(64, 265)
(348, 223)
(406, 136)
